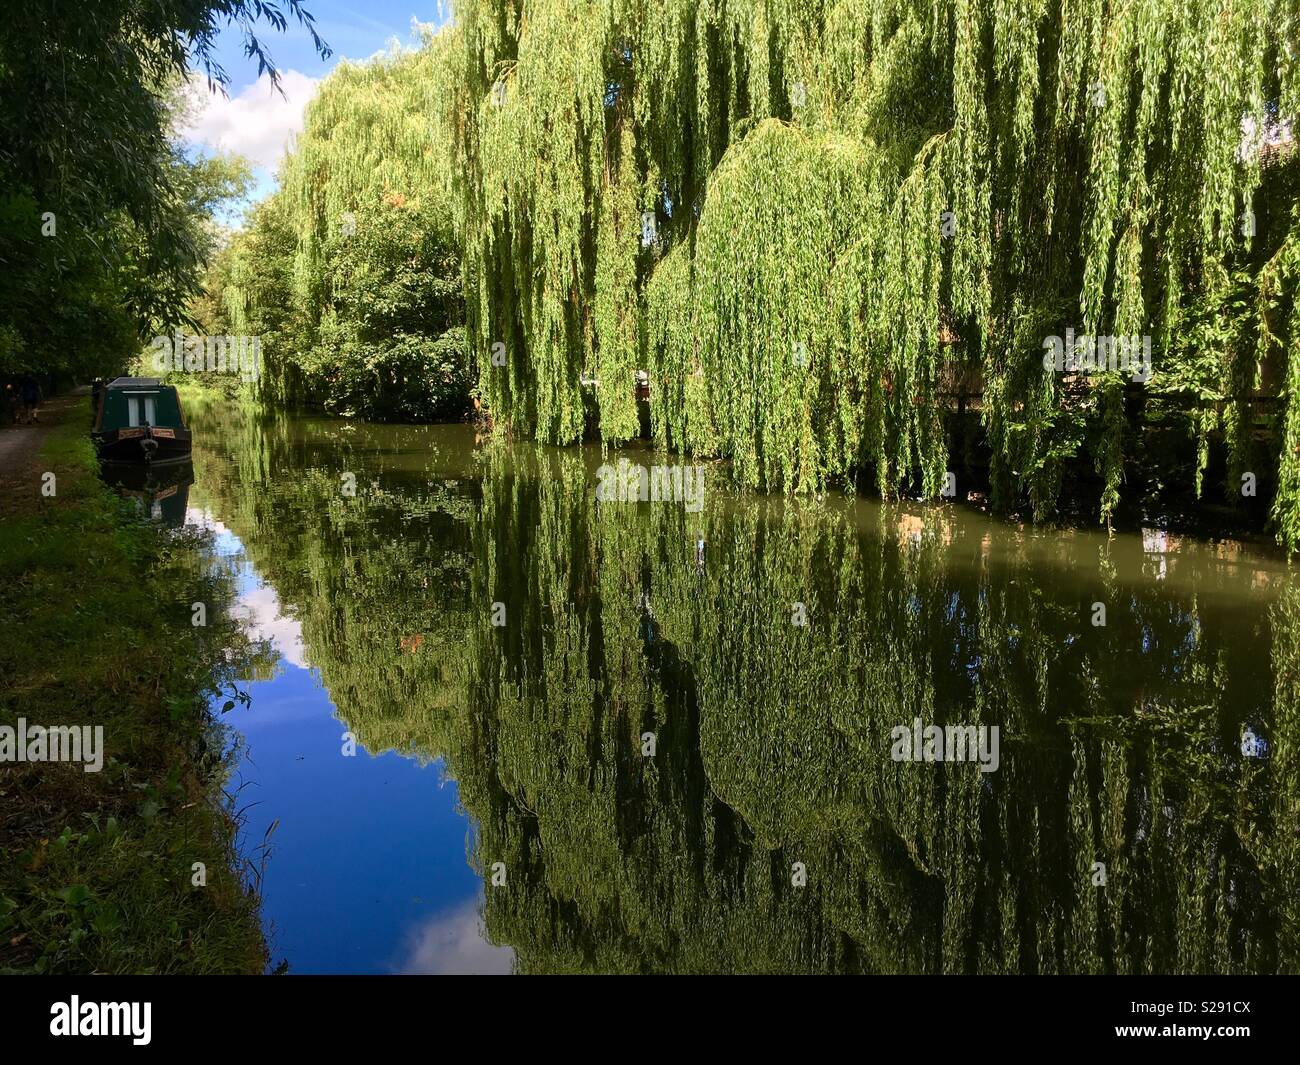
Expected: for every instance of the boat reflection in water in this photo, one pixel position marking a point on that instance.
(161, 492)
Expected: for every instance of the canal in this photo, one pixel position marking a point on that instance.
(506, 722)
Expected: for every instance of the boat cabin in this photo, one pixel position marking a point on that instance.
(139, 420)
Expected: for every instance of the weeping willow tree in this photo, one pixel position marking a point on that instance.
(359, 233)
(814, 222)
(372, 131)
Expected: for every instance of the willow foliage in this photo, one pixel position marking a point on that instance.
(373, 129)
(373, 277)
(814, 223)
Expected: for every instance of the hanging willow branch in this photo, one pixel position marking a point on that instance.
(803, 218)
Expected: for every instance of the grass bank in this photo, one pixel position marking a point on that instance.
(98, 870)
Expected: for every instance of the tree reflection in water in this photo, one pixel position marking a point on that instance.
(1121, 745)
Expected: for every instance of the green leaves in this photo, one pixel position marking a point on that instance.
(349, 272)
(119, 220)
(946, 167)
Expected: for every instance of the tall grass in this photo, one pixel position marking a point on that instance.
(97, 870)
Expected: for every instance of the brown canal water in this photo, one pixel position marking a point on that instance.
(689, 734)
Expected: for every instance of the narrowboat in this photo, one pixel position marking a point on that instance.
(139, 420)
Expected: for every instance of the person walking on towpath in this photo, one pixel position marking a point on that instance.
(31, 399)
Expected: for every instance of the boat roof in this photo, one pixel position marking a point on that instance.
(135, 382)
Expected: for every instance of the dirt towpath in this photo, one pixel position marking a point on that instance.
(19, 444)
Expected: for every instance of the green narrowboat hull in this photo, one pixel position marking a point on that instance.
(147, 444)
(139, 421)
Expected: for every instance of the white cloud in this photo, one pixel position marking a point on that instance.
(257, 606)
(260, 608)
(453, 944)
(257, 122)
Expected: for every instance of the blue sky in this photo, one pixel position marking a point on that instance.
(257, 123)
(368, 870)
